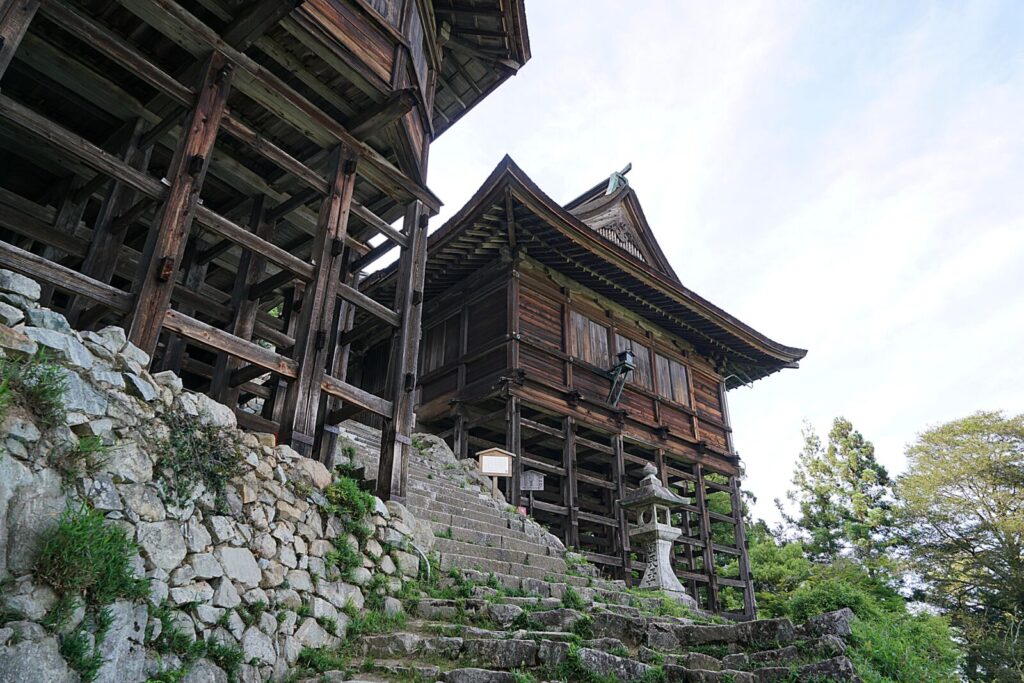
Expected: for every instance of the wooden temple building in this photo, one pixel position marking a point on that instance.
(529, 307)
(216, 176)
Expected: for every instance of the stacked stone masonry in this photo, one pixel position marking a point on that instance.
(266, 548)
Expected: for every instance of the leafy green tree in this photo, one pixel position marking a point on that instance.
(889, 644)
(962, 508)
(843, 498)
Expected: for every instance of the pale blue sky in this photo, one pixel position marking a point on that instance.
(846, 177)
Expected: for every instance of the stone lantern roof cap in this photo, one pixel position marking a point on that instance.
(652, 491)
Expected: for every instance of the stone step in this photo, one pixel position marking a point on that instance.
(499, 538)
(513, 569)
(545, 562)
(497, 526)
(418, 500)
(434, 512)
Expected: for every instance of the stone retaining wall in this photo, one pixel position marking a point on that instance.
(260, 550)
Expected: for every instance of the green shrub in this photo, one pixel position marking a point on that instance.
(194, 453)
(893, 648)
(831, 594)
(85, 555)
(35, 383)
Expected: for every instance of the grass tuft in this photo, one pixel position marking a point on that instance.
(37, 384)
(194, 453)
(84, 555)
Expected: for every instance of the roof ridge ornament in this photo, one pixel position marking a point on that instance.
(618, 179)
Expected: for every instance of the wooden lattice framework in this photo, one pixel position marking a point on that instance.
(218, 176)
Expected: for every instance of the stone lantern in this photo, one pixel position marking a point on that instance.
(655, 534)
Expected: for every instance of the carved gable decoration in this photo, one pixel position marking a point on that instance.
(618, 218)
(616, 227)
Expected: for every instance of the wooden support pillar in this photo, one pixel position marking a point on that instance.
(273, 407)
(687, 548)
(513, 444)
(15, 16)
(705, 537)
(620, 513)
(166, 241)
(107, 234)
(319, 304)
(337, 366)
(195, 276)
(569, 485)
(396, 441)
(460, 437)
(736, 496)
(243, 307)
(69, 214)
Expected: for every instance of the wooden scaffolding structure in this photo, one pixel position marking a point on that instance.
(219, 176)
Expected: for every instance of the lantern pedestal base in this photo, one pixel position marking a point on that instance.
(657, 540)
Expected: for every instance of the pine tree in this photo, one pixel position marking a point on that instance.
(843, 498)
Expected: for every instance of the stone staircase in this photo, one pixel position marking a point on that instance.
(508, 603)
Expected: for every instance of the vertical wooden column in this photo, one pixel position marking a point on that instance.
(513, 444)
(569, 485)
(15, 16)
(166, 241)
(243, 307)
(749, 603)
(687, 548)
(620, 493)
(705, 536)
(339, 348)
(396, 442)
(107, 235)
(69, 213)
(319, 304)
(195, 275)
(273, 407)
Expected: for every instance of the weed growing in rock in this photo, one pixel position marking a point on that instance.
(344, 559)
(172, 640)
(320, 660)
(571, 599)
(84, 458)
(573, 670)
(346, 500)
(35, 383)
(363, 621)
(84, 555)
(194, 453)
(60, 614)
(523, 676)
(84, 658)
(582, 627)
(227, 656)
